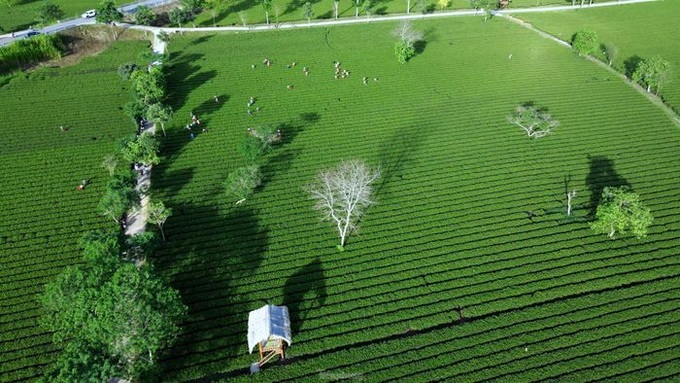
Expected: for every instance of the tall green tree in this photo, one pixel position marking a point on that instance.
(112, 317)
(621, 211)
(486, 5)
(652, 73)
(308, 12)
(241, 183)
(119, 197)
(142, 149)
(144, 15)
(193, 7)
(266, 6)
(149, 85)
(158, 213)
(179, 16)
(49, 12)
(159, 114)
(107, 12)
(584, 42)
(610, 52)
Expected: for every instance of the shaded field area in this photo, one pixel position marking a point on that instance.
(638, 32)
(43, 215)
(449, 277)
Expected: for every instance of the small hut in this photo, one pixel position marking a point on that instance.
(268, 328)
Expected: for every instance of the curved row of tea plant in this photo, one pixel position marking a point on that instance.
(450, 228)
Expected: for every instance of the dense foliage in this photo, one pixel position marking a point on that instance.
(27, 52)
(112, 316)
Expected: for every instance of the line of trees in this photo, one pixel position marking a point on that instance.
(651, 73)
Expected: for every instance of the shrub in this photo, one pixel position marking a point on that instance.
(584, 42)
(403, 51)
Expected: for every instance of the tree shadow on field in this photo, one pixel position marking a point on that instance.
(602, 174)
(171, 182)
(630, 65)
(304, 291)
(297, 4)
(281, 158)
(238, 7)
(394, 154)
(208, 107)
(183, 77)
(206, 255)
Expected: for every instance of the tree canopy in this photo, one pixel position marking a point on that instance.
(49, 12)
(108, 13)
(621, 211)
(112, 316)
(584, 42)
(652, 73)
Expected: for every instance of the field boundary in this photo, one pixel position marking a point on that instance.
(654, 99)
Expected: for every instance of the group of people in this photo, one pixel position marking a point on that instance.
(195, 122)
(340, 72)
(251, 101)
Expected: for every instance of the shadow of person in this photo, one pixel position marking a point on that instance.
(304, 291)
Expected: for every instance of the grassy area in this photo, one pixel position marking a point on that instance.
(44, 215)
(544, 299)
(19, 15)
(641, 31)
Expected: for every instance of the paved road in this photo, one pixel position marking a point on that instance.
(68, 24)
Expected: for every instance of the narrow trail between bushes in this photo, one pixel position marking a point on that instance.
(135, 222)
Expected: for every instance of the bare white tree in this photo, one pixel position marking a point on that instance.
(405, 32)
(570, 196)
(343, 193)
(536, 122)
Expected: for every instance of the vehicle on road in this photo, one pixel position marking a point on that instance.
(31, 34)
(89, 14)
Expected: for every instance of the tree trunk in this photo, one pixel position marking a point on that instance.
(162, 232)
(335, 6)
(356, 11)
(408, 6)
(266, 15)
(612, 232)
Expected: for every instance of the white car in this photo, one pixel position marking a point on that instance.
(89, 14)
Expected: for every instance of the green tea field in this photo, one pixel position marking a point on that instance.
(638, 32)
(466, 268)
(43, 215)
(449, 277)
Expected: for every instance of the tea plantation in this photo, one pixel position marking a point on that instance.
(43, 215)
(638, 32)
(542, 298)
(467, 267)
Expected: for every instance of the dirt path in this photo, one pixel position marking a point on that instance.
(137, 218)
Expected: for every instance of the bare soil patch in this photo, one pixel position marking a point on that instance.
(89, 41)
